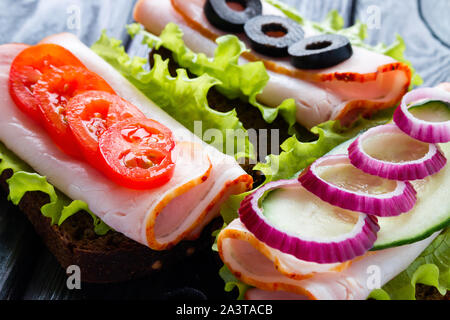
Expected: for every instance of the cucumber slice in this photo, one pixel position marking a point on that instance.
(300, 213)
(432, 111)
(430, 214)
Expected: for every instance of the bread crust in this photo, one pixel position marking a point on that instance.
(102, 259)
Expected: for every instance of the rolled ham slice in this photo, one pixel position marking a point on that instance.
(248, 260)
(158, 218)
(363, 84)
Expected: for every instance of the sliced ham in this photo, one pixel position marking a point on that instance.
(361, 85)
(249, 261)
(158, 218)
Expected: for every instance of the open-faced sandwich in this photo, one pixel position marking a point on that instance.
(356, 213)
(77, 136)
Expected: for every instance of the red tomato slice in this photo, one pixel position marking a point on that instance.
(54, 89)
(28, 67)
(90, 113)
(137, 153)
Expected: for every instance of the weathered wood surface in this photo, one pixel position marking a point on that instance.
(19, 250)
(29, 21)
(28, 270)
(427, 49)
(317, 10)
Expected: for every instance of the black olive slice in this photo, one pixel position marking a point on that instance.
(320, 52)
(272, 35)
(221, 14)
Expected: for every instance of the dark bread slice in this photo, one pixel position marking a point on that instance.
(102, 259)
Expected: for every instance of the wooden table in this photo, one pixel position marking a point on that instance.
(29, 271)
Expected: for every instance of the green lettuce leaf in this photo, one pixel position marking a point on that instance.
(431, 268)
(25, 180)
(296, 155)
(357, 34)
(244, 81)
(232, 282)
(183, 98)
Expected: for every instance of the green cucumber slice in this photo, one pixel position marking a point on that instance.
(300, 213)
(430, 214)
(431, 111)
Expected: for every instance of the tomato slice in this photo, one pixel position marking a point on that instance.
(137, 153)
(54, 89)
(90, 113)
(28, 67)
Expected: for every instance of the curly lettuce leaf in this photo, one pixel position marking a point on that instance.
(232, 282)
(245, 81)
(357, 34)
(25, 180)
(296, 155)
(75, 206)
(183, 98)
(431, 268)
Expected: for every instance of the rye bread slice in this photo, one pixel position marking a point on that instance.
(102, 259)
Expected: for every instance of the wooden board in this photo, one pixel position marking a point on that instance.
(428, 53)
(318, 10)
(28, 270)
(29, 21)
(19, 250)
(434, 15)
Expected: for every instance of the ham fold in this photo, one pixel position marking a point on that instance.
(363, 84)
(277, 276)
(158, 218)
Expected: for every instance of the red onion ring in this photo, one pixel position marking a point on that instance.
(391, 204)
(431, 132)
(348, 246)
(432, 162)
